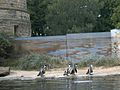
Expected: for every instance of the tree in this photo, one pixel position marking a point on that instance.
(104, 22)
(37, 9)
(116, 15)
(58, 17)
(68, 16)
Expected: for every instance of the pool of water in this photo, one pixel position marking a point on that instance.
(88, 83)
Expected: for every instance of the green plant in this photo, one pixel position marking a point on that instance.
(104, 61)
(5, 45)
(35, 61)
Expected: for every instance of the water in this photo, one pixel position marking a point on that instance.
(96, 83)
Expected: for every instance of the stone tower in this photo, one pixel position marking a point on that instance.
(14, 18)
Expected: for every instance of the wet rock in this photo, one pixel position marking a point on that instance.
(4, 71)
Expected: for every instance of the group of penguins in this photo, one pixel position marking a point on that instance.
(71, 70)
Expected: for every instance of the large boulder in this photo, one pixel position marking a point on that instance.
(4, 71)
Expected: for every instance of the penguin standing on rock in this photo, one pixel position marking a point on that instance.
(42, 71)
(72, 69)
(90, 70)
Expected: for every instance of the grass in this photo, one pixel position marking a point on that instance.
(35, 61)
(105, 61)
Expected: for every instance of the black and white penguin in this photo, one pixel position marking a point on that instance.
(90, 70)
(72, 69)
(42, 70)
(67, 71)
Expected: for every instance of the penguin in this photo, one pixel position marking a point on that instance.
(67, 71)
(72, 69)
(42, 71)
(90, 70)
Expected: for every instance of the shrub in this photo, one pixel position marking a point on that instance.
(5, 45)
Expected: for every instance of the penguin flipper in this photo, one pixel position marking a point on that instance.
(39, 74)
(75, 70)
(87, 72)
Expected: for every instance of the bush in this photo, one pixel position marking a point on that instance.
(5, 46)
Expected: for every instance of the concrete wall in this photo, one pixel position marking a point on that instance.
(73, 46)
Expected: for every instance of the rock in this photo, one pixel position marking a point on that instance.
(4, 71)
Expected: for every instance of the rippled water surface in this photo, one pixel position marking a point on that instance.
(96, 83)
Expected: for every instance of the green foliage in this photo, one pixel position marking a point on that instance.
(116, 17)
(104, 22)
(64, 16)
(5, 45)
(35, 61)
(58, 17)
(37, 9)
(105, 61)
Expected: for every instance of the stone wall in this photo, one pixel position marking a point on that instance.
(14, 4)
(14, 18)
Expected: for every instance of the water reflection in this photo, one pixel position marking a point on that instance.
(96, 83)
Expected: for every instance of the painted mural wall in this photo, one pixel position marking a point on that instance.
(89, 45)
(115, 38)
(74, 47)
